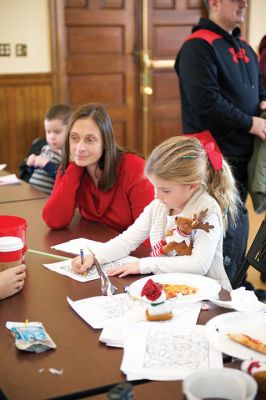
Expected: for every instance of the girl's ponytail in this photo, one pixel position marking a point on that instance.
(222, 186)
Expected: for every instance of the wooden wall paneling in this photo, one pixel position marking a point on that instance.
(24, 100)
(5, 137)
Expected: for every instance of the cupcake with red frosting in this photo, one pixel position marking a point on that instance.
(159, 309)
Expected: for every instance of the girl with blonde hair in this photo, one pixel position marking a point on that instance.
(189, 176)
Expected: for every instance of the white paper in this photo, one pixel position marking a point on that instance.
(114, 332)
(98, 311)
(64, 268)
(242, 300)
(74, 246)
(2, 166)
(9, 180)
(161, 352)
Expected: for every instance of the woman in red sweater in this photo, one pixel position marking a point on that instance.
(104, 181)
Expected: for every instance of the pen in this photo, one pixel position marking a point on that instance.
(81, 256)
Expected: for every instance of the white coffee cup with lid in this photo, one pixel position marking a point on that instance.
(11, 251)
(220, 383)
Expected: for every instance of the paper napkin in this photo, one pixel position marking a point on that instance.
(242, 300)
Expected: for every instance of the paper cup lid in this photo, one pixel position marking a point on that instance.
(10, 243)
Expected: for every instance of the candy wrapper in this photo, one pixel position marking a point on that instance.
(30, 336)
(258, 370)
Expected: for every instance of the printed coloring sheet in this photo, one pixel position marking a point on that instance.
(73, 246)
(100, 310)
(165, 353)
(64, 268)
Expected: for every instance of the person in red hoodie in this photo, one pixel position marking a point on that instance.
(106, 182)
(262, 54)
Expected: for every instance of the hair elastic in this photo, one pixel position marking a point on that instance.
(188, 157)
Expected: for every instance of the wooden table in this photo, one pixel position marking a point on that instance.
(40, 237)
(89, 366)
(19, 192)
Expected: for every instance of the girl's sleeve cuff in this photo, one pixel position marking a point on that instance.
(144, 266)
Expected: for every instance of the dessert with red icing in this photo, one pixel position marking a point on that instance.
(158, 309)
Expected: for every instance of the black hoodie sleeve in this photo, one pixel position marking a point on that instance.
(198, 75)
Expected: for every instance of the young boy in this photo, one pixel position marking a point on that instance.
(44, 166)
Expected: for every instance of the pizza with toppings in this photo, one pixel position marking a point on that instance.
(172, 290)
(248, 341)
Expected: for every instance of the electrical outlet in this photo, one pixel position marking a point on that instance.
(5, 50)
(21, 50)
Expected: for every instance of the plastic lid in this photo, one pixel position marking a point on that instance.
(10, 243)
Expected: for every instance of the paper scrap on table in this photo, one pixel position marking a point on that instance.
(114, 332)
(161, 352)
(64, 268)
(9, 180)
(56, 371)
(2, 166)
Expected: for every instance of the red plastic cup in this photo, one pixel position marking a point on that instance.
(12, 240)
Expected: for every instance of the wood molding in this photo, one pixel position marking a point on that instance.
(58, 46)
(25, 79)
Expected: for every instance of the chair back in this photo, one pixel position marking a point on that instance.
(255, 257)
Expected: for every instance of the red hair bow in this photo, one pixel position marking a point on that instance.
(211, 148)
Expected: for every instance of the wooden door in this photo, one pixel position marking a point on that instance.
(98, 56)
(94, 59)
(169, 22)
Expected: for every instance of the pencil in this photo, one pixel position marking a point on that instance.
(48, 254)
(81, 256)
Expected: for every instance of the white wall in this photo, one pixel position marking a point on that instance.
(257, 22)
(27, 22)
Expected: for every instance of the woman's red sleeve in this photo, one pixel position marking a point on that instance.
(60, 207)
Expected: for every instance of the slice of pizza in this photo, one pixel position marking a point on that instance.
(248, 341)
(172, 290)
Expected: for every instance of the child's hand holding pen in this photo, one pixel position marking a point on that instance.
(82, 263)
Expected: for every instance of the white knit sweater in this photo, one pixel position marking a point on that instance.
(206, 258)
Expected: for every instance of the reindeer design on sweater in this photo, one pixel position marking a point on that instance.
(179, 238)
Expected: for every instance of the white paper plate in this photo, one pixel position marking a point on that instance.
(207, 287)
(252, 324)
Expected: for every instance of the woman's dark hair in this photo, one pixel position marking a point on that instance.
(111, 151)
